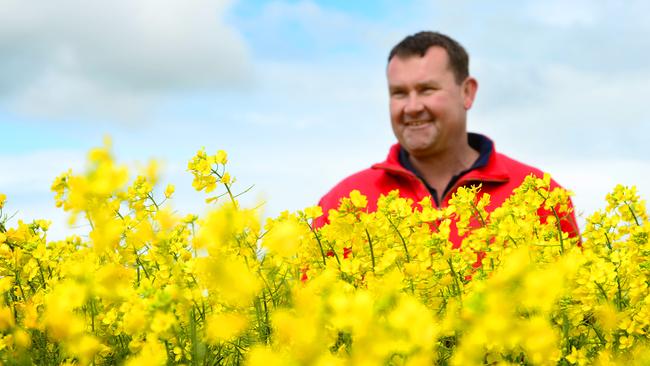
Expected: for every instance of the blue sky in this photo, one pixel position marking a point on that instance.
(295, 90)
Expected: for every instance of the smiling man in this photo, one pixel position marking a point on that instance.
(431, 92)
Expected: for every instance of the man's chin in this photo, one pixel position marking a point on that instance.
(418, 151)
(418, 146)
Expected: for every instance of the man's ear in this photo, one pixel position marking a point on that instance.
(469, 88)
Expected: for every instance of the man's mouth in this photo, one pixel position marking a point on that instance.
(415, 123)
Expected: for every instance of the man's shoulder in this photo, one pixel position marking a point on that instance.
(371, 181)
(518, 170)
(492, 165)
(359, 180)
(516, 167)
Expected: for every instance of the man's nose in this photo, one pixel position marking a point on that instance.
(413, 105)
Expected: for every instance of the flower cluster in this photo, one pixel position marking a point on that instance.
(148, 286)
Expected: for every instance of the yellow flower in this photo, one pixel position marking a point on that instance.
(151, 172)
(6, 318)
(22, 339)
(135, 318)
(152, 353)
(166, 218)
(265, 356)
(30, 314)
(313, 212)
(162, 322)
(578, 357)
(370, 288)
(3, 198)
(169, 190)
(85, 348)
(59, 317)
(224, 326)
(221, 157)
(625, 342)
(414, 319)
(225, 178)
(283, 238)
(6, 283)
(107, 232)
(229, 278)
(607, 317)
(358, 200)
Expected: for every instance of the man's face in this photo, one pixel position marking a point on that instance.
(427, 106)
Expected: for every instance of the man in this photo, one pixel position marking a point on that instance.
(430, 93)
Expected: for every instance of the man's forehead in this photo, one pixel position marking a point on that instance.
(434, 56)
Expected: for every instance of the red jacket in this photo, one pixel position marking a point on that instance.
(498, 177)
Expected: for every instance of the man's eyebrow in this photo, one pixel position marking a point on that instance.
(427, 83)
(396, 87)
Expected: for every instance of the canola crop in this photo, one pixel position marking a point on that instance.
(147, 286)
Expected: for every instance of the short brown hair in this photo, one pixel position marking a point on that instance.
(418, 44)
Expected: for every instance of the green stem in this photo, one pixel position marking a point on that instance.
(372, 253)
(153, 200)
(599, 334)
(195, 345)
(90, 221)
(320, 245)
(92, 315)
(267, 286)
(140, 264)
(20, 286)
(406, 250)
(170, 352)
(602, 290)
(565, 332)
(232, 197)
(244, 191)
(609, 242)
(40, 270)
(258, 316)
(636, 220)
(559, 229)
(267, 324)
(335, 255)
(619, 291)
(201, 313)
(477, 213)
(557, 223)
(456, 281)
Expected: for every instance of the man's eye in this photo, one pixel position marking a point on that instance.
(428, 90)
(397, 94)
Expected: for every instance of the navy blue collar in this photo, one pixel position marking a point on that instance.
(480, 143)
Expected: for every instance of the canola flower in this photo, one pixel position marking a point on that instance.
(147, 286)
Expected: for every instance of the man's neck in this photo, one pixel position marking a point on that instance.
(438, 170)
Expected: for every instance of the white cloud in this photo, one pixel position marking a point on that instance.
(35, 171)
(57, 94)
(312, 30)
(565, 13)
(559, 110)
(65, 54)
(302, 95)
